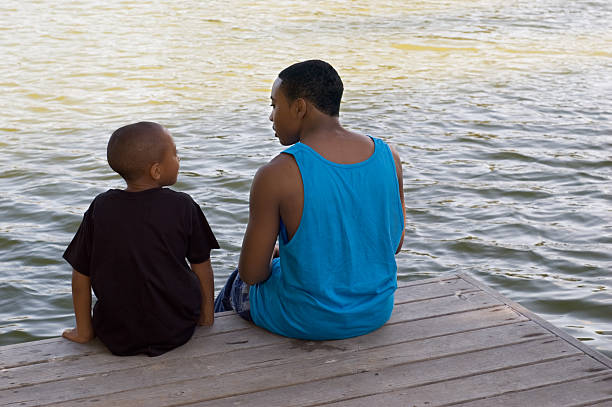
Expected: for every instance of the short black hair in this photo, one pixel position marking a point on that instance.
(133, 148)
(316, 81)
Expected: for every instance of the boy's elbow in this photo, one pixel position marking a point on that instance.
(248, 281)
(245, 269)
(252, 275)
(248, 277)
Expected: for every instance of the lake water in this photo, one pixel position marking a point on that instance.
(500, 110)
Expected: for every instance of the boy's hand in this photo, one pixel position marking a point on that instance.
(81, 298)
(204, 272)
(75, 336)
(206, 319)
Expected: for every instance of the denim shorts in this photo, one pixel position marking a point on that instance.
(234, 296)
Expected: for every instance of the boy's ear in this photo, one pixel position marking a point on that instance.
(300, 107)
(155, 171)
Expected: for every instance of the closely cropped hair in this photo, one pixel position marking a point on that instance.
(316, 81)
(132, 149)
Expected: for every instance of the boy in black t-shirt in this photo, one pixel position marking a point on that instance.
(131, 248)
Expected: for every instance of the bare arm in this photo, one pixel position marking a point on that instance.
(81, 299)
(204, 272)
(400, 179)
(262, 229)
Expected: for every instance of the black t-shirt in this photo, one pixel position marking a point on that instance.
(133, 246)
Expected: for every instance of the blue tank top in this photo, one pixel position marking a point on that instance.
(336, 277)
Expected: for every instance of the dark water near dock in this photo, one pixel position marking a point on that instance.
(502, 114)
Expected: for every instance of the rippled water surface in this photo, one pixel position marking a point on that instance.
(501, 111)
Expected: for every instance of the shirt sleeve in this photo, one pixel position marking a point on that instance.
(202, 239)
(78, 252)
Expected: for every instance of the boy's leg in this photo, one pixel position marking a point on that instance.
(222, 302)
(234, 296)
(239, 298)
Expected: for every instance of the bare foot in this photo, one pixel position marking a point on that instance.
(74, 336)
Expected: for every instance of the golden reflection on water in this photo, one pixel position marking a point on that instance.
(70, 62)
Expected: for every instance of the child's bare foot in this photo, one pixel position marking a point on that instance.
(75, 336)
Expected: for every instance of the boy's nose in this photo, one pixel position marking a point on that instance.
(271, 118)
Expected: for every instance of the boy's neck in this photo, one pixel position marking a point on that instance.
(139, 186)
(321, 126)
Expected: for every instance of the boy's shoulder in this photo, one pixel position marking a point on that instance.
(164, 194)
(107, 194)
(178, 196)
(103, 197)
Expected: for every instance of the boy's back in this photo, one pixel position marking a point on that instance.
(133, 246)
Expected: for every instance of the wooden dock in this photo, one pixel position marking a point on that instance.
(450, 341)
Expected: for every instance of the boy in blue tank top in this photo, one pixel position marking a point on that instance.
(334, 200)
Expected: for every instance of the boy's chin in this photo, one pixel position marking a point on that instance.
(287, 142)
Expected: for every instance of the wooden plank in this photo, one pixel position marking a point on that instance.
(409, 363)
(255, 338)
(442, 306)
(607, 403)
(58, 348)
(452, 338)
(571, 393)
(542, 322)
(434, 288)
(412, 283)
(484, 386)
(55, 349)
(388, 335)
(363, 379)
(245, 339)
(80, 365)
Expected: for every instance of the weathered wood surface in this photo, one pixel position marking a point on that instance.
(450, 341)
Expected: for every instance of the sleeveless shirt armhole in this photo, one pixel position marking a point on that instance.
(283, 234)
(399, 199)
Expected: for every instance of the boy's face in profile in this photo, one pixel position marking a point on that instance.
(285, 125)
(169, 165)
